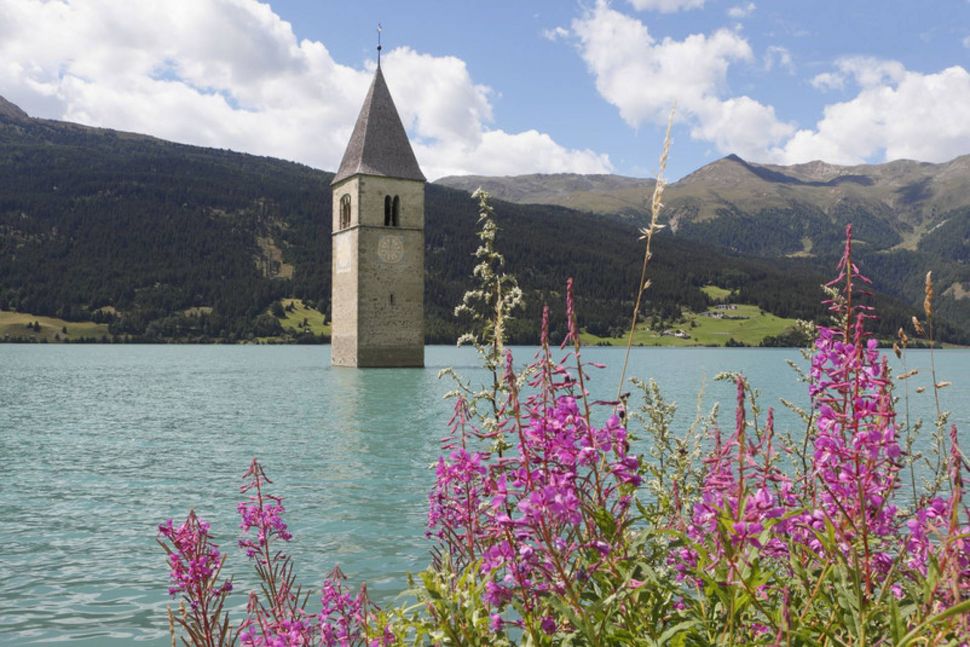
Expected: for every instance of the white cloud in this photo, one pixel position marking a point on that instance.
(499, 151)
(742, 10)
(897, 114)
(555, 33)
(865, 71)
(966, 42)
(828, 81)
(666, 6)
(780, 57)
(868, 71)
(644, 77)
(157, 68)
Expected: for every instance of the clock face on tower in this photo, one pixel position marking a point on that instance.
(390, 248)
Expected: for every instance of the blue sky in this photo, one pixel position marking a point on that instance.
(510, 87)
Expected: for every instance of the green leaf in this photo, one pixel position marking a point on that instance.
(957, 609)
(676, 630)
(605, 521)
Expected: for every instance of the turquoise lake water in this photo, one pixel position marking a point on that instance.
(99, 444)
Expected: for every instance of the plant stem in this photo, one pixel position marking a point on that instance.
(655, 207)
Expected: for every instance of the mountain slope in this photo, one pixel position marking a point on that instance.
(166, 241)
(908, 217)
(613, 194)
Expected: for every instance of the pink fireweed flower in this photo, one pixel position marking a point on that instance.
(262, 512)
(935, 532)
(525, 514)
(748, 510)
(194, 560)
(195, 564)
(856, 452)
(342, 616)
(573, 334)
(456, 499)
(739, 501)
(276, 627)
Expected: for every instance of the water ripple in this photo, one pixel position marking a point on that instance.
(101, 443)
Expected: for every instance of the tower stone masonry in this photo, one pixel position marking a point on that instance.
(377, 290)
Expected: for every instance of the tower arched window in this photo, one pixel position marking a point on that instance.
(396, 212)
(387, 211)
(345, 211)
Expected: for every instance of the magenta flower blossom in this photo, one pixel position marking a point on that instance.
(526, 515)
(263, 512)
(195, 564)
(343, 617)
(278, 618)
(749, 511)
(740, 499)
(937, 536)
(194, 560)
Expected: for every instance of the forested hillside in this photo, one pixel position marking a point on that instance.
(164, 241)
(908, 217)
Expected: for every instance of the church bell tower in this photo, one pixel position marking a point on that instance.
(377, 292)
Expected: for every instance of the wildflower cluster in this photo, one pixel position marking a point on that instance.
(262, 512)
(539, 520)
(344, 619)
(743, 502)
(541, 537)
(938, 542)
(276, 615)
(195, 563)
(834, 537)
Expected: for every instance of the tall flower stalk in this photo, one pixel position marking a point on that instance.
(279, 614)
(195, 565)
(489, 306)
(541, 520)
(276, 613)
(788, 553)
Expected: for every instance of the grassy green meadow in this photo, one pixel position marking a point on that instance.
(14, 325)
(293, 321)
(744, 323)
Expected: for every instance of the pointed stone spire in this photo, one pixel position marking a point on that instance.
(379, 145)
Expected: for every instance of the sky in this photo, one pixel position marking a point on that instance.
(507, 87)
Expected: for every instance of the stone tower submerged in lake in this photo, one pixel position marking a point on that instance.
(377, 297)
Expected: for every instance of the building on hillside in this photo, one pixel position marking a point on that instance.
(377, 287)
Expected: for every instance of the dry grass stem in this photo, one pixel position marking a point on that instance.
(928, 296)
(656, 205)
(171, 624)
(918, 327)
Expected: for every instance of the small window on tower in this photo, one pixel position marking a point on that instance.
(392, 299)
(345, 211)
(396, 212)
(387, 211)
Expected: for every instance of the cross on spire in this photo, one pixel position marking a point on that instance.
(379, 29)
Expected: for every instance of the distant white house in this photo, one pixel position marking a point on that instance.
(679, 334)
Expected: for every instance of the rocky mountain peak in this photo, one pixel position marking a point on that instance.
(11, 112)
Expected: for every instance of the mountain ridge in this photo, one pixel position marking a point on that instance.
(172, 241)
(908, 216)
(901, 177)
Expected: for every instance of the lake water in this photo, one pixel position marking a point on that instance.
(98, 444)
